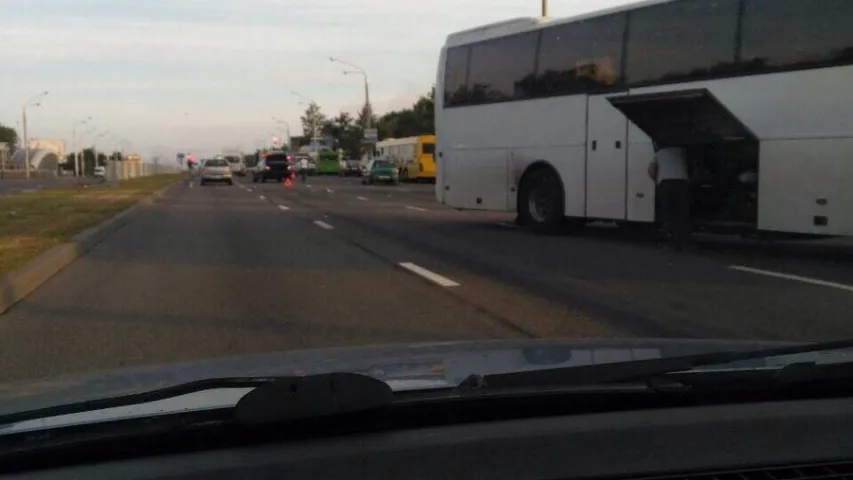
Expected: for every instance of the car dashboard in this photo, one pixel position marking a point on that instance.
(802, 440)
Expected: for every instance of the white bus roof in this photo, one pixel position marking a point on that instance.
(523, 24)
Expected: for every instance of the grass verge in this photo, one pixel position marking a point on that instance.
(31, 223)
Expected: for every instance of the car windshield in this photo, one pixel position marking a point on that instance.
(526, 185)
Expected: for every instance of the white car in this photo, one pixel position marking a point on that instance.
(237, 166)
(100, 172)
(216, 170)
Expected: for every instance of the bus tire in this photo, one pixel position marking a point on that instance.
(540, 201)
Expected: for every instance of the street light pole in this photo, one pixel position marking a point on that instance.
(360, 71)
(278, 120)
(74, 145)
(82, 150)
(544, 8)
(94, 148)
(313, 118)
(30, 102)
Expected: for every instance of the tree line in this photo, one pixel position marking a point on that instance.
(347, 132)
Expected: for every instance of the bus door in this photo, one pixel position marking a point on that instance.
(606, 157)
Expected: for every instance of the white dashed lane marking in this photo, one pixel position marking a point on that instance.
(796, 278)
(361, 198)
(418, 209)
(282, 207)
(429, 275)
(323, 224)
(262, 197)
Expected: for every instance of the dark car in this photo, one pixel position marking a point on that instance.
(351, 168)
(275, 166)
(381, 171)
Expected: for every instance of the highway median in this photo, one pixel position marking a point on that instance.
(54, 226)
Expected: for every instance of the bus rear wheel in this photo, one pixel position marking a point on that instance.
(540, 201)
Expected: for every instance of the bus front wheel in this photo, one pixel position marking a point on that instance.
(540, 201)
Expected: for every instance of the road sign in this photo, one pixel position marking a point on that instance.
(371, 135)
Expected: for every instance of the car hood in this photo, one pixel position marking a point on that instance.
(404, 367)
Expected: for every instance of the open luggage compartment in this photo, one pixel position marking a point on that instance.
(722, 152)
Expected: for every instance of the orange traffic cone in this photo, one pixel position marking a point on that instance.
(287, 182)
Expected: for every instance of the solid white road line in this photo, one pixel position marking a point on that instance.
(419, 209)
(323, 224)
(361, 198)
(431, 276)
(282, 207)
(796, 278)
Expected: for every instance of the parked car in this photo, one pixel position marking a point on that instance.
(351, 167)
(276, 166)
(101, 172)
(216, 170)
(237, 166)
(383, 171)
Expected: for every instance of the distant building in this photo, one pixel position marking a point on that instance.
(54, 145)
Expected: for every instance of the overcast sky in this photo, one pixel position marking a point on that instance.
(202, 75)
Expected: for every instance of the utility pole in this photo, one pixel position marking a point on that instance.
(544, 8)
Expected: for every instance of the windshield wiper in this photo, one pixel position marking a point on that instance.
(271, 399)
(626, 372)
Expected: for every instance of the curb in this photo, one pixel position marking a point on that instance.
(16, 285)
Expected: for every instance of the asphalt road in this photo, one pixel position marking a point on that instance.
(252, 268)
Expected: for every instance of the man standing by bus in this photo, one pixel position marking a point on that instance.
(303, 169)
(669, 170)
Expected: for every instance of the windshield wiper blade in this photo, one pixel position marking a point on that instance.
(311, 397)
(139, 398)
(632, 371)
(271, 398)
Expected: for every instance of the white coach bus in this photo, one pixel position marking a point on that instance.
(560, 119)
